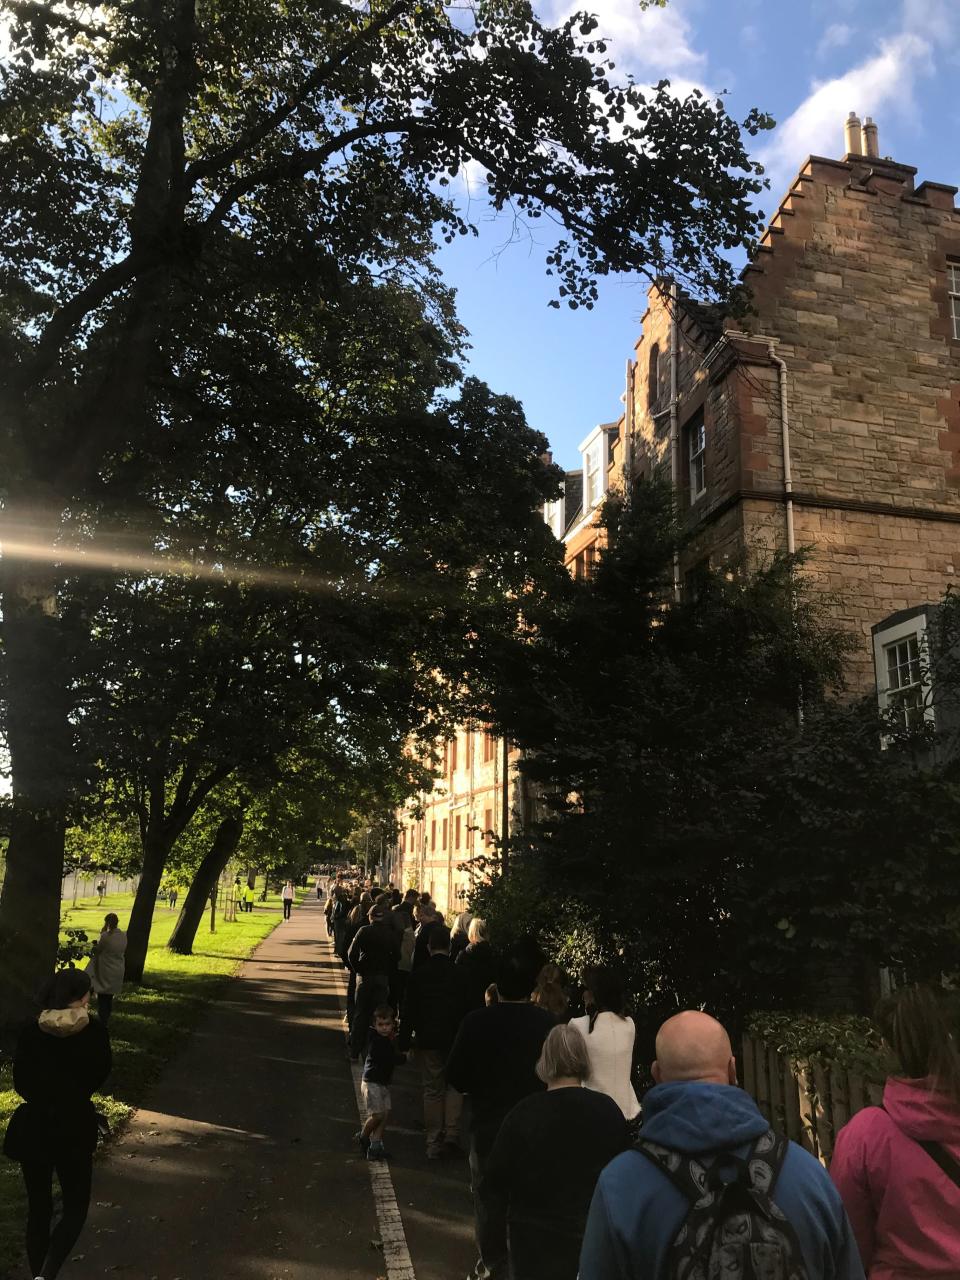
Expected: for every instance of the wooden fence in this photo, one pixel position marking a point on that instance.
(808, 1100)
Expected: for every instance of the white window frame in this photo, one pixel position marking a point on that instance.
(553, 514)
(885, 639)
(953, 295)
(697, 458)
(592, 476)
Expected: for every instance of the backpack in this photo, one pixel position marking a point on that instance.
(339, 909)
(733, 1230)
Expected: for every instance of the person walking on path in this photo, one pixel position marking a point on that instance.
(249, 896)
(428, 918)
(382, 1057)
(897, 1166)
(287, 895)
(546, 1160)
(401, 917)
(707, 1155)
(431, 1013)
(107, 965)
(372, 957)
(61, 1059)
(493, 1059)
(609, 1035)
(101, 891)
(478, 963)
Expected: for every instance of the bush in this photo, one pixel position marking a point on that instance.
(845, 1041)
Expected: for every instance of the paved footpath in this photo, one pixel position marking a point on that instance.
(244, 1165)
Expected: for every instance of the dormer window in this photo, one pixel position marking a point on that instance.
(554, 513)
(593, 488)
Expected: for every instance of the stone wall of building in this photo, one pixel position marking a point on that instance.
(851, 284)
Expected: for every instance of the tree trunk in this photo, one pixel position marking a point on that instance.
(156, 850)
(37, 702)
(210, 869)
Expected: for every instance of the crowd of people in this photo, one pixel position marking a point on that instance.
(572, 1175)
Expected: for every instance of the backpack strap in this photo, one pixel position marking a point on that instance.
(697, 1181)
(940, 1155)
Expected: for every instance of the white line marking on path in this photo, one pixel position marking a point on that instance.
(396, 1255)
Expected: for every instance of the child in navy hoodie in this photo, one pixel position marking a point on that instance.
(382, 1057)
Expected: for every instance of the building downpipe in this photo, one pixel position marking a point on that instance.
(675, 419)
(785, 445)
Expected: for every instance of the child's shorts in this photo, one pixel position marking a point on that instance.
(376, 1097)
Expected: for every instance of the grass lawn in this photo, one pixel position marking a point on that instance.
(148, 1021)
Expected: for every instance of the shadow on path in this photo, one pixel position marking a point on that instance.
(244, 1164)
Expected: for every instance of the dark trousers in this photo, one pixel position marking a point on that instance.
(287, 905)
(47, 1251)
(370, 992)
(104, 1010)
(490, 1218)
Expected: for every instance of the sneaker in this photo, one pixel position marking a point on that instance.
(364, 1143)
(434, 1150)
(377, 1152)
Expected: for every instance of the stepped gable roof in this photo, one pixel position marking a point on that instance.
(708, 316)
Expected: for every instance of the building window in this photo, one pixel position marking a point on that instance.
(905, 679)
(453, 755)
(456, 830)
(489, 747)
(553, 514)
(488, 827)
(696, 458)
(433, 835)
(446, 832)
(653, 378)
(591, 478)
(953, 288)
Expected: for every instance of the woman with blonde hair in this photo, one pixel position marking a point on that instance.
(476, 964)
(897, 1166)
(547, 1157)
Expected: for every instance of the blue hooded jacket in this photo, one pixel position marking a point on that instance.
(637, 1212)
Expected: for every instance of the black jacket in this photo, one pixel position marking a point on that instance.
(55, 1075)
(421, 950)
(432, 1006)
(478, 966)
(375, 950)
(494, 1059)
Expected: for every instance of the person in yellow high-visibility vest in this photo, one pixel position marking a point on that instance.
(248, 897)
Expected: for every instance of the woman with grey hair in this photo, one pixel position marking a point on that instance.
(546, 1160)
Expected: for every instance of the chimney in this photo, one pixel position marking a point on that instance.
(853, 134)
(870, 138)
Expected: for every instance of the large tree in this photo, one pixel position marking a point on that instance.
(691, 831)
(207, 186)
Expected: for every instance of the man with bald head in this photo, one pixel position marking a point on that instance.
(696, 1117)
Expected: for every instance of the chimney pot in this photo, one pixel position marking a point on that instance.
(871, 138)
(853, 135)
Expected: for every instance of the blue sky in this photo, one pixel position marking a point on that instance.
(808, 63)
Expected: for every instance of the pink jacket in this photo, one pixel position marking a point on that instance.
(904, 1210)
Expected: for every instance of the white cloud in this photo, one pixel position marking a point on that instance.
(836, 36)
(816, 126)
(651, 43)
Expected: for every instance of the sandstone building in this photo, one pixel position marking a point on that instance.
(829, 420)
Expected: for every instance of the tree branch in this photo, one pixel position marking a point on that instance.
(49, 17)
(300, 163)
(201, 169)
